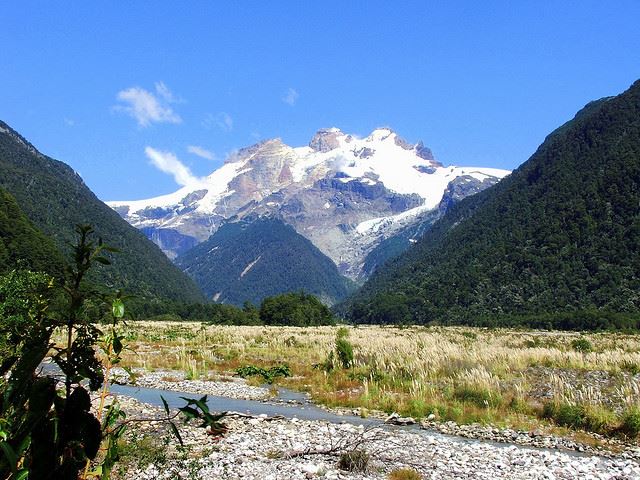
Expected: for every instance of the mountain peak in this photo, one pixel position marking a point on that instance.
(257, 148)
(7, 130)
(326, 139)
(380, 134)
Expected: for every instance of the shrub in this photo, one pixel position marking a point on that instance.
(469, 335)
(519, 405)
(480, 397)
(632, 367)
(344, 349)
(582, 345)
(417, 408)
(342, 354)
(354, 461)
(565, 414)
(591, 418)
(631, 423)
(599, 419)
(269, 376)
(404, 474)
(454, 413)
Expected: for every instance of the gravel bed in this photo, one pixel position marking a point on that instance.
(272, 449)
(231, 387)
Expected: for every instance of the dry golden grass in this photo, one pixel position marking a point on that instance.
(458, 373)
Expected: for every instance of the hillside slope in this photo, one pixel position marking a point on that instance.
(55, 199)
(252, 259)
(22, 244)
(560, 234)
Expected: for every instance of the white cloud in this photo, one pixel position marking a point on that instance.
(222, 120)
(69, 122)
(147, 107)
(290, 97)
(201, 152)
(165, 93)
(169, 163)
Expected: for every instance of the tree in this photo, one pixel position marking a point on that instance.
(295, 309)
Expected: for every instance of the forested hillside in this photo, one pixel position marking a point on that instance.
(55, 199)
(560, 234)
(250, 260)
(22, 244)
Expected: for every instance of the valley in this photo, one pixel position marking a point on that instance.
(337, 241)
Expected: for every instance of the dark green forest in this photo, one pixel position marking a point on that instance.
(250, 260)
(555, 243)
(55, 199)
(23, 245)
(293, 309)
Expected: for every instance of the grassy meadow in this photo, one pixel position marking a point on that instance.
(558, 381)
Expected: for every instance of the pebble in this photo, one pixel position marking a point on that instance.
(258, 450)
(231, 387)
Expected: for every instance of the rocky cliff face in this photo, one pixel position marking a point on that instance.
(345, 194)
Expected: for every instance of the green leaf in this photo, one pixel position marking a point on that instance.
(22, 474)
(175, 431)
(189, 412)
(117, 308)
(202, 404)
(117, 344)
(10, 455)
(166, 405)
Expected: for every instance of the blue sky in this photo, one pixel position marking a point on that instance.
(481, 83)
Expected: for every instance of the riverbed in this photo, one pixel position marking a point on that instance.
(290, 438)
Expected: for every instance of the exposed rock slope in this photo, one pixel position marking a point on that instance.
(344, 193)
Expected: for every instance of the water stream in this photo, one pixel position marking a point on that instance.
(288, 404)
(302, 409)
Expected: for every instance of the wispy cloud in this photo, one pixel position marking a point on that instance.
(201, 152)
(167, 162)
(69, 122)
(148, 107)
(290, 97)
(222, 120)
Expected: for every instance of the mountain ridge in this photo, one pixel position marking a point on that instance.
(342, 192)
(55, 199)
(560, 234)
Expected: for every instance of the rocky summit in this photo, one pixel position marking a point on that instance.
(344, 193)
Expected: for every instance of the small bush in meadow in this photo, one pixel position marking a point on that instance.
(599, 419)
(341, 355)
(632, 367)
(582, 345)
(480, 397)
(565, 414)
(354, 461)
(404, 474)
(631, 423)
(344, 349)
(519, 405)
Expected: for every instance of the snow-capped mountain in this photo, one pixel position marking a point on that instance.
(343, 193)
